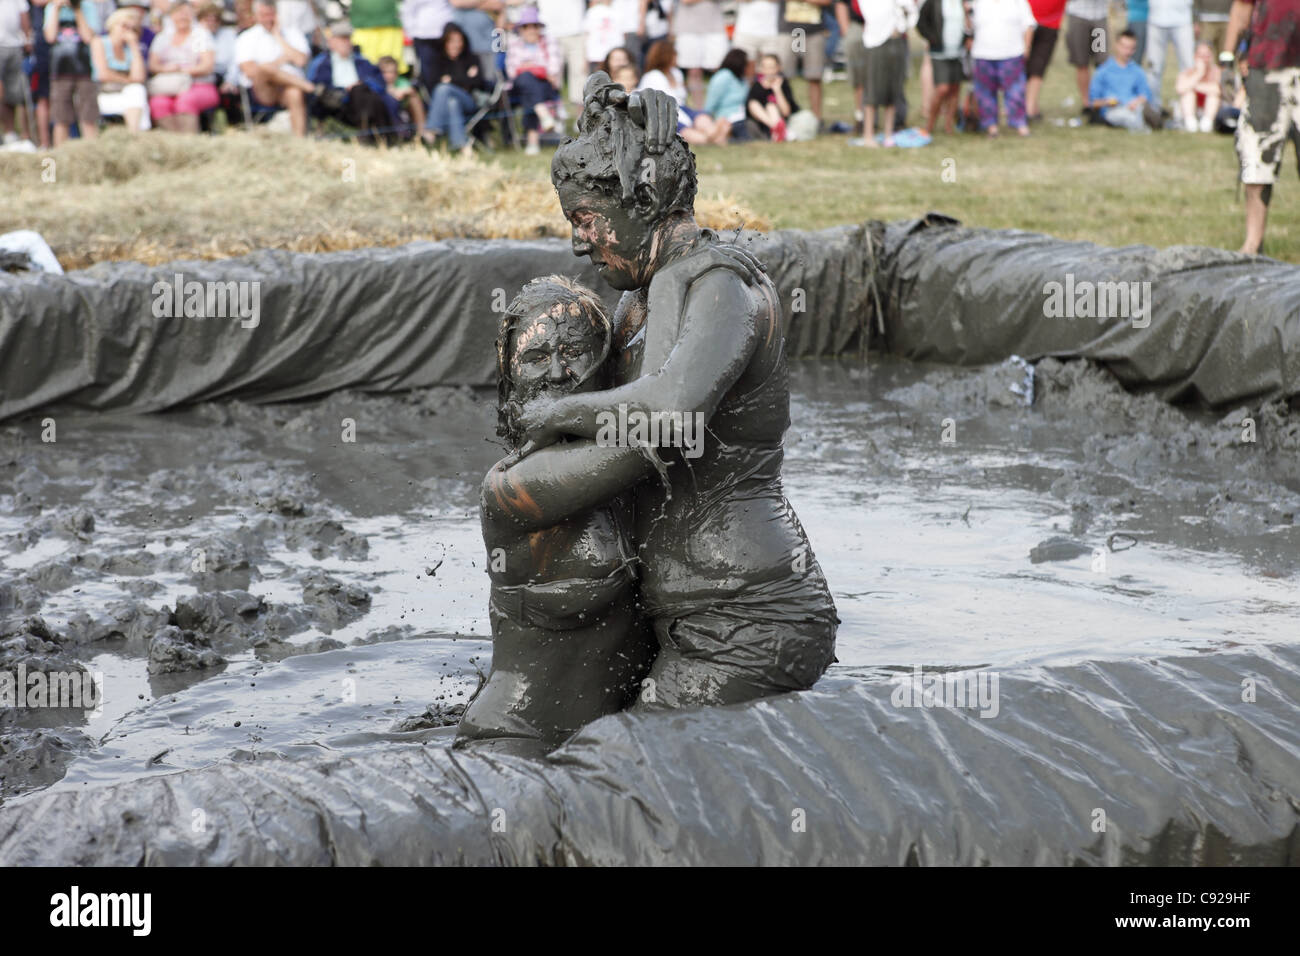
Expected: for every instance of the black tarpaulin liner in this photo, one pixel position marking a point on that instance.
(1225, 328)
(378, 320)
(1184, 771)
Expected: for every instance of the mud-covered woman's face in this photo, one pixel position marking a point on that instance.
(555, 351)
(613, 238)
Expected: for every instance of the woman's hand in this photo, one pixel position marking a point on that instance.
(536, 421)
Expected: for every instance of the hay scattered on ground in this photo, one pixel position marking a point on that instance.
(159, 197)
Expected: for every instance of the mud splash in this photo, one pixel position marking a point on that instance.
(262, 583)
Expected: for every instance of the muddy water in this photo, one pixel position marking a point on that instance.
(334, 588)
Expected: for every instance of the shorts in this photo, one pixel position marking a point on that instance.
(74, 99)
(885, 72)
(1270, 118)
(701, 51)
(379, 42)
(1041, 49)
(1079, 44)
(726, 655)
(855, 56)
(811, 63)
(12, 77)
(130, 97)
(948, 71)
(756, 45)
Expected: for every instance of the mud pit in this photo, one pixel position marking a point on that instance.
(253, 587)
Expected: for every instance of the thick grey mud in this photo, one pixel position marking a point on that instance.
(253, 585)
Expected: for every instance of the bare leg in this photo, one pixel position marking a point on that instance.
(927, 85)
(889, 122)
(815, 97)
(187, 122)
(869, 126)
(132, 118)
(1081, 80)
(1033, 86)
(1256, 218)
(295, 102)
(60, 134)
(42, 132)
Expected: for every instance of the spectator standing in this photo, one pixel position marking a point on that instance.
(1138, 11)
(1119, 92)
(697, 127)
(183, 61)
(943, 25)
(458, 73)
(655, 23)
(849, 17)
(74, 94)
(424, 22)
(120, 70)
(604, 33)
(1047, 27)
(1168, 22)
(758, 26)
(377, 29)
(805, 53)
(1086, 40)
(1199, 91)
(564, 24)
(628, 15)
(298, 15)
(727, 92)
(15, 36)
(271, 59)
(1004, 30)
(478, 18)
(701, 39)
(1211, 22)
(1271, 79)
(884, 36)
(771, 99)
(533, 64)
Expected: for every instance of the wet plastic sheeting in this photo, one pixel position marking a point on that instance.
(378, 320)
(1184, 770)
(1224, 328)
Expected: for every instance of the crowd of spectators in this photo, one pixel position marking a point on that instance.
(423, 68)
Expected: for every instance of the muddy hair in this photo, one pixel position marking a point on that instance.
(608, 154)
(541, 295)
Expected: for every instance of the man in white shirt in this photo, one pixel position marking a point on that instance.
(271, 60)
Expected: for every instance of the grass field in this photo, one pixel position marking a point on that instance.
(160, 197)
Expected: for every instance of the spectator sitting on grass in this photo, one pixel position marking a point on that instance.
(697, 127)
(727, 92)
(771, 99)
(183, 61)
(533, 64)
(74, 94)
(456, 77)
(119, 64)
(1119, 90)
(354, 89)
(271, 61)
(1199, 88)
(409, 105)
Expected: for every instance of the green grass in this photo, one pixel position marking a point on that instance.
(1105, 185)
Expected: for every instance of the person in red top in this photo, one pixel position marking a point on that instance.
(1270, 68)
(1047, 23)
